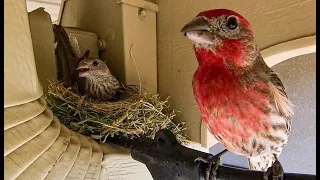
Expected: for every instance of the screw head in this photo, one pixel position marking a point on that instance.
(102, 44)
(142, 14)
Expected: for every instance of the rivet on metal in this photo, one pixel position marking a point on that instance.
(142, 14)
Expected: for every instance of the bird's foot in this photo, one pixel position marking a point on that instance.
(213, 164)
(276, 170)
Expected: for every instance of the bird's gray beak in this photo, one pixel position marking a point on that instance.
(82, 66)
(79, 68)
(198, 31)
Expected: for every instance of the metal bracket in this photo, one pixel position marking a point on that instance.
(166, 159)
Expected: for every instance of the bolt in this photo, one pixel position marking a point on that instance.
(142, 14)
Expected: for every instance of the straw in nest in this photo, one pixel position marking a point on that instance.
(132, 116)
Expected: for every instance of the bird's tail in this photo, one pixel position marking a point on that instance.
(66, 56)
(261, 163)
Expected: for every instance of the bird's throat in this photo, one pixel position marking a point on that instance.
(207, 56)
(231, 53)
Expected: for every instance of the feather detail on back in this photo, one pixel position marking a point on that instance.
(282, 104)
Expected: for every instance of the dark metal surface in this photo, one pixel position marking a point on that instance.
(226, 173)
(166, 159)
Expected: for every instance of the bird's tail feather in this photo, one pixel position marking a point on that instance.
(67, 58)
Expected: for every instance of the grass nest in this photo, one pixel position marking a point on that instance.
(134, 115)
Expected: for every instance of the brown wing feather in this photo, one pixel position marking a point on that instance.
(276, 87)
(282, 103)
(66, 56)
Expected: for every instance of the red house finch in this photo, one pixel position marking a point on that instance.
(99, 82)
(241, 100)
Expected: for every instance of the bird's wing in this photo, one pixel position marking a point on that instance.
(279, 99)
(282, 103)
(278, 93)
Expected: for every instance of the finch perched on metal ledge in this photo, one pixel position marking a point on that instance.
(241, 100)
(98, 82)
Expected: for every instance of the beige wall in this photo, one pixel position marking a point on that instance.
(274, 21)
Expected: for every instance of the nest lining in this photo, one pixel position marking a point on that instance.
(134, 115)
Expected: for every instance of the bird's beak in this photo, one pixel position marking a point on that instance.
(198, 31)
(84, 70)
(82, 66)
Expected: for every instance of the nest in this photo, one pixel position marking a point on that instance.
(134, 115)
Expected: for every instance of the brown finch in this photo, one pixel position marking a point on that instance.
(99, 83)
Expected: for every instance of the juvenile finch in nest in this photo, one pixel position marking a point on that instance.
(95, 79)
(241, 100)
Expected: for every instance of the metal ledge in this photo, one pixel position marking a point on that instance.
(165, 158)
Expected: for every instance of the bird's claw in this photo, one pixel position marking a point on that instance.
(207, 159)
(276, 170)
(213, 164)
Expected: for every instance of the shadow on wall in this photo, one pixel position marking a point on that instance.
(299, 155)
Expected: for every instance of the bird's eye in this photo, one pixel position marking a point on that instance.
(95, 63)
(232, 23)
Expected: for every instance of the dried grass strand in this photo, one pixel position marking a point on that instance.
(132, 116)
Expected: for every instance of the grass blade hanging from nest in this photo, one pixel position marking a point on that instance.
(132, 116)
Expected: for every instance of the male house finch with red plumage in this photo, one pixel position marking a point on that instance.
(241, 100)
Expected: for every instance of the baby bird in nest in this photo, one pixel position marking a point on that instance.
(96, 79)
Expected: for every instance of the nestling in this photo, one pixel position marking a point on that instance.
(241, 100)
(99, 82)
